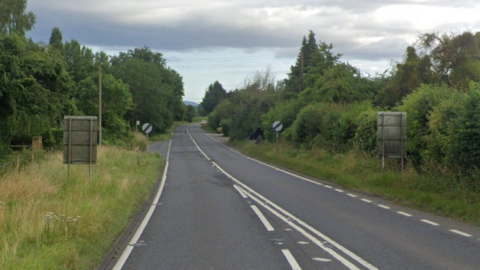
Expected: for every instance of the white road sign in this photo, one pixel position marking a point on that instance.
(277, 126)
(147, 128)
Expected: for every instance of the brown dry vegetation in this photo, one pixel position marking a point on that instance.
(50, 222)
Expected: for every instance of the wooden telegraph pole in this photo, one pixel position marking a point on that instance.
(301, 72)
(100, 104)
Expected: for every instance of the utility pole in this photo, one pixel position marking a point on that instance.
(100, 104)
(301, 72)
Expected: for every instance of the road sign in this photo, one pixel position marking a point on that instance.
(277, 126)
(147, 128)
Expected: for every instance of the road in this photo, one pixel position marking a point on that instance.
(218, 209)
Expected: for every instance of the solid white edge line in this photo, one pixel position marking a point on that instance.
(327, 186)
(367, 201)
(404, 214)
(291, 260)
(339, 190)
(262, 218)
(461, 233)
(326, 238)
(126, 253)
(240, 191)
(429, 222)
(352, 195)
(383, 206)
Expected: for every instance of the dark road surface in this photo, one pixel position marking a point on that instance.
(221, 210)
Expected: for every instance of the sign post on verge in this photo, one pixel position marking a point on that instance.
(277, 126)
(147, 128)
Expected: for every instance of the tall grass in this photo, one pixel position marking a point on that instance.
(436, 192)
(50, 222)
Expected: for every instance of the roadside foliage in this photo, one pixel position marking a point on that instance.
(335, 107)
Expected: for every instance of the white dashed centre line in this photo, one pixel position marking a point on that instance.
(365, 200)
(262, 218)
(291, 260)
(383, 206)
(404, 214)
(429, 222)
(461, 233)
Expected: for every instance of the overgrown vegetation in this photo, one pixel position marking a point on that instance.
(357, 170)
(331, 108)
(48, 221)
(43, 82)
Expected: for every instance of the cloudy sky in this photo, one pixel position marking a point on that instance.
(208, 40)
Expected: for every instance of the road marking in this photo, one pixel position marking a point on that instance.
(288, 219)
(262, 218)
(352, 195)
(339, 190)
(365, 200)
(302, 243)
(191, 138)
(291, 260)
(126, 253)
(429, 222)
(404, 214)
(290, 216)
(240, 191)
(327, 186)
(383, 206)
(461, 233)
(321, 260)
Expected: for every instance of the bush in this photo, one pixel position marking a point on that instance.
(285, 112)
(366, 133)
(442, 130)
(418, 106)
(465, 148)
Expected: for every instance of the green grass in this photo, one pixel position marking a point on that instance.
(358, 171)
(50, 222)
(198, 119)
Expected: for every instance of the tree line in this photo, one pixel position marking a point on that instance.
(327, 103)
(41, 82)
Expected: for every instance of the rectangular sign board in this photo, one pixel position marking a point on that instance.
(80, 139)
(392, 134)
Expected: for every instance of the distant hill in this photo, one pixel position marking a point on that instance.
(190, 103)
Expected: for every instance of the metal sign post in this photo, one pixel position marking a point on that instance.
(277, 126)
(147, 128)
(391, 136)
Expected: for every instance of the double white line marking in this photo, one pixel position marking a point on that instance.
(306, 230)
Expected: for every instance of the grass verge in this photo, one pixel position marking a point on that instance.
(433, 192)
(50, 222)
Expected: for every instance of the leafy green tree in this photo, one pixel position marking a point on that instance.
(34, 88)
(455, 56)
(80, 60)
(213, 95)
(116, 100)
(156, 89)
(191, 113)
(406, 77)
(56, 39)
(14, 19)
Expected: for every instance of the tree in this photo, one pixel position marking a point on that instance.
(455, 56)
(213, 95)
(13, 17)
(56, 39)
(191, 113)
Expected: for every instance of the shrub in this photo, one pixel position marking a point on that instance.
(418, 106)
(285, 112)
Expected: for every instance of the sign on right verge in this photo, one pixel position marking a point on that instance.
(392, 136)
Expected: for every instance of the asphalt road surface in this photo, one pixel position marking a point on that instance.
(217, 209)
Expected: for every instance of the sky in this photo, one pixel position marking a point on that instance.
(209, 40)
